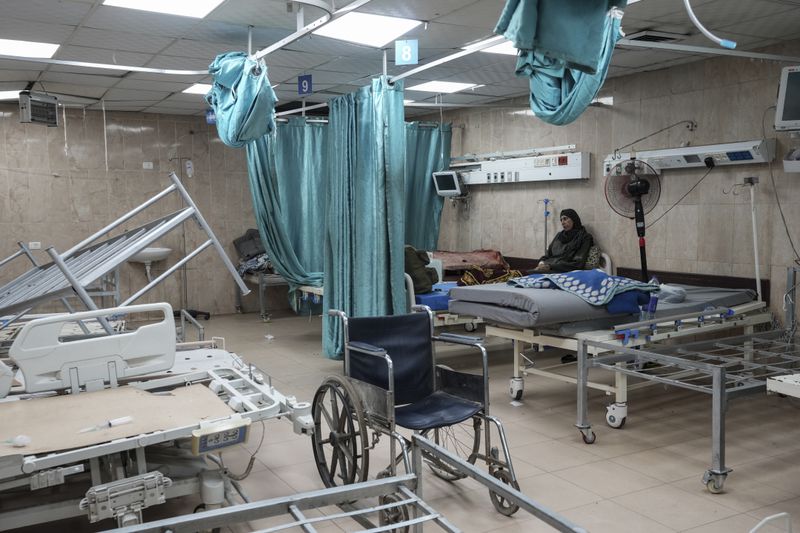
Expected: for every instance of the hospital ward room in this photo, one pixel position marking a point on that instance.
(400, 266)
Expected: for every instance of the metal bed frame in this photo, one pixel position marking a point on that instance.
(633, 334)
(91, 260)
(263, 280)
(724, 368)
(403, 509)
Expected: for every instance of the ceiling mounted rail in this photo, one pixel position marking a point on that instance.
(488, 43)
(300, 33)
(675, 47)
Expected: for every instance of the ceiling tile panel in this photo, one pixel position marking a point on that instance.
(134, 94)
(271, 14)
(25, 30)
(91, 80)
(416, 9)
(61, 12)
(236, 34)
(137, 21)
(119, 40)
(102, 55)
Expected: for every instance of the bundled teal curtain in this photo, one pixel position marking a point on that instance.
(565, 48)
(428, 151)
(365, 207)
(242, 98)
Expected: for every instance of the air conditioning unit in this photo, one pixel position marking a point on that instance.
(38, 108)
(557, 166)
(736, 153)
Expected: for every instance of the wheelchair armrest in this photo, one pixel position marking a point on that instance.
(368, 349)
(458, 339)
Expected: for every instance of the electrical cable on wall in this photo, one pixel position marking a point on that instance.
(691, 125)
(710, 168)
(775, 191)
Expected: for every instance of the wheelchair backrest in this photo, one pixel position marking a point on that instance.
(407, 340)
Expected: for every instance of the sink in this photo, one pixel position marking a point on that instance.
(151, 255)
(148, 256)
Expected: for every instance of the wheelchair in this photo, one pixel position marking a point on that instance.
(391, 380)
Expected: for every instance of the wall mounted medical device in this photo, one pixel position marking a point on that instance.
(38, 108)
(556, 166)
(736, 153)
(448, 184)
(787, 112)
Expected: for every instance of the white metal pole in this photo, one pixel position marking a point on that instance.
(755, 236)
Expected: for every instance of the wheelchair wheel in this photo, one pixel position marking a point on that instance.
(502, 505)
(340, 433)
(463, 440)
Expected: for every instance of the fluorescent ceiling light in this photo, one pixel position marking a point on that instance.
(371, 30)
(9, 47)
(185, 8)
(408, 102)
(198, 88)
(504, 47)
(441, 87)
(9, 95)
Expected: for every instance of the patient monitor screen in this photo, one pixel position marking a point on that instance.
(446, 183)
(791, 102)
(787, 114)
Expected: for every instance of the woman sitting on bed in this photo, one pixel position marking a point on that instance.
(569, 248)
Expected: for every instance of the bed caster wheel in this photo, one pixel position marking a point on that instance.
(617, 415)
(470, 327)
(199, 509)
(714, 482)
(393, 515)
(501, 504)
(515, 388)
(588, 436)
(238, 309)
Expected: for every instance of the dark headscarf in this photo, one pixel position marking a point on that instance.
(577, 227)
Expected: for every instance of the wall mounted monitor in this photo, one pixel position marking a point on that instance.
(787, 114)
(447, 183)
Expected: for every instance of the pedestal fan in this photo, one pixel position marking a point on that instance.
(632, 190)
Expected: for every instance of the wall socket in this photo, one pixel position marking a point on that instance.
(34, 245)
(147, 165)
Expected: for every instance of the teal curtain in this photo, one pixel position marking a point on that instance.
(287, 181)
(565, 49)
(301, 158)
(428, 151)
(365, 207)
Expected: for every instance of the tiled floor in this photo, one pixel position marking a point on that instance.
(643, 478)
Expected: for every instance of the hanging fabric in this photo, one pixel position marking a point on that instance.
(365, 207)
(428, 151)
(565, 49)
(242, 98)
(275, 204)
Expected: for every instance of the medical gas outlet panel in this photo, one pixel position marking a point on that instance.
(567, 166)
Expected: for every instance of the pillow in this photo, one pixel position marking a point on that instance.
(594, 258)
(671, 294)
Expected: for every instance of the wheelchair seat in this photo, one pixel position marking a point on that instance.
(437, 410)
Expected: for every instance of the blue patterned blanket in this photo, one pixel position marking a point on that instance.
(593, 286)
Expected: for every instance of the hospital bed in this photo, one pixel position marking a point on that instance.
(724, 368)
(400, 505)
(74, 272)
(110, 425)
(555, 318)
